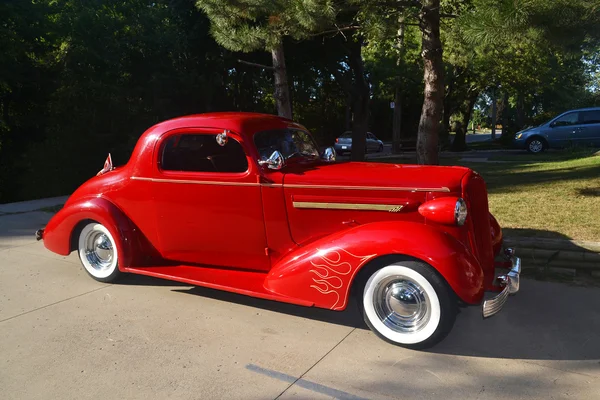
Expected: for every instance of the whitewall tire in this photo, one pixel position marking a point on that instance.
(409, 304)
(98, 252)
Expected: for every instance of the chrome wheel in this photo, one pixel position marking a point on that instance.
(401, 304)
(98, 252)
(536, 146)
(408, 304)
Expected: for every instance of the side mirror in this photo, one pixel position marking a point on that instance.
(276, 161)
(328, 155)
(552, 124)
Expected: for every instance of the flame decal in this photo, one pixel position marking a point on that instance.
(332, 272)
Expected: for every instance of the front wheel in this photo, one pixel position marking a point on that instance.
(98, 252)
(380, 149)
(409, 304)
(536, 145)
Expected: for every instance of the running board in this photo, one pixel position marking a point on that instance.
(249, 283)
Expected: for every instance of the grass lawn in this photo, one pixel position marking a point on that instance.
(552, 195)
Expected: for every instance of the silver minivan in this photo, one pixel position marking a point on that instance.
(572, 128)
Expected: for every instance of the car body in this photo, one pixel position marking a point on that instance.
(573, 128)
(343, 144)
(243, 202)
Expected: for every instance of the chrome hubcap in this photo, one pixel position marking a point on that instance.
(99, 250)
(536, 146)
(401, 304)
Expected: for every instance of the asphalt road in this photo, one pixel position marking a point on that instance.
(65, 336)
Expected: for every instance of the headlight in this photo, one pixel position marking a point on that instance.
(445, 210)
(519, 135)
(460, 212)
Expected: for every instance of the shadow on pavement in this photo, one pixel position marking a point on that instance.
(544, 321)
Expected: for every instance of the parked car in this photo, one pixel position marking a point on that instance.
(343, 144)
(245, 203)
(576, 127)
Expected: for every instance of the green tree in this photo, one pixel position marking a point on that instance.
(250, 25)
(534, 51)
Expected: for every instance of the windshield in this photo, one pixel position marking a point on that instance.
(289, 142)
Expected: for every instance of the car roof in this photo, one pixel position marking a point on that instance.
(584, 109)
(244, 124)
(240, 122)
(351, 132)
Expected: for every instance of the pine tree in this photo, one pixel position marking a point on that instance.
(251, 25)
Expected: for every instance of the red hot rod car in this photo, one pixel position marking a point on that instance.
(245, 203)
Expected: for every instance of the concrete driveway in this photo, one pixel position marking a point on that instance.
(65, 336)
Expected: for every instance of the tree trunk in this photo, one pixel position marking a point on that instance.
(494, 113)
(282, 90)
(397, 113)
(349, 113)
(449, 106)
(446, 119)
(433, 75)
(361, 92)
(520, 111)
(460, 136)
(397, 122)
(505, 116)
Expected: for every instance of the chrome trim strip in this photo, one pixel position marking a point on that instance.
(348, 206)
(403, 189)
(193, 182)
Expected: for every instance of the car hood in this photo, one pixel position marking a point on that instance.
(377, 175)
(531, 129)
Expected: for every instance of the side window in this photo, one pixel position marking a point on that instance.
(202, 153)
(568, 119)
(590, 117)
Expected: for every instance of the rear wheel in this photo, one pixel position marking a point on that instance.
(98, 252)
(408, 304)
(536, 145)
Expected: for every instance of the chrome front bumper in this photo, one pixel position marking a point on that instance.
(510, 282)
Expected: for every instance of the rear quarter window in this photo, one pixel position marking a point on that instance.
(202, 153)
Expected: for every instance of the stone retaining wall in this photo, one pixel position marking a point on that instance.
(557, 255)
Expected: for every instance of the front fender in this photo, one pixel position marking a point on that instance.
(57, 234)
(322, 272)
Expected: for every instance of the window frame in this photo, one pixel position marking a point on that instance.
(303, 130)
(578, 120)
(159, 148)
(582, 122)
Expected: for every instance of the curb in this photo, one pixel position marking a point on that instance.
(31, 205)
(557, 255)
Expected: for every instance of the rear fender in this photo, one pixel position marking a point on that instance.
(58, 233)
(323, 271)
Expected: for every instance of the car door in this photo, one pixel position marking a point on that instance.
(208, 201)
(562, 131)
(589, 130)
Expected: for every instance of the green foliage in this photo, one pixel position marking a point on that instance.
(249, 25)
(531, 50)
(79, 79)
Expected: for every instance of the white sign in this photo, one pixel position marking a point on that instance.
(392, 104)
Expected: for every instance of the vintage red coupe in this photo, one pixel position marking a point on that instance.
(245, 203)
